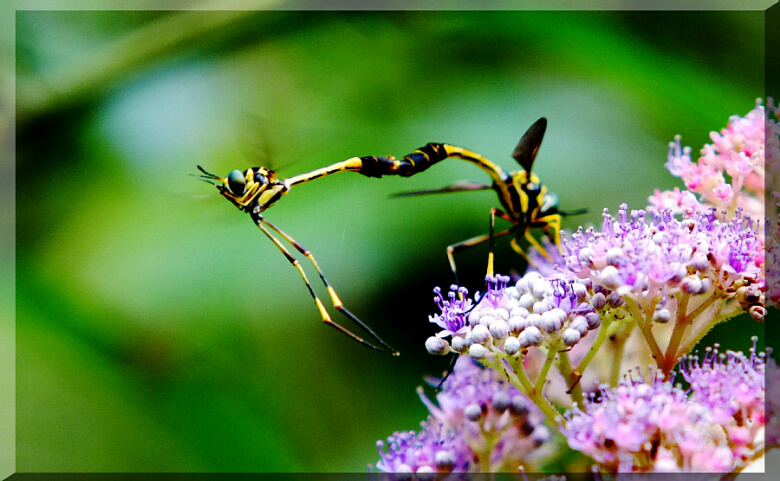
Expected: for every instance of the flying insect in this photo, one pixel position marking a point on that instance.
(525, 200)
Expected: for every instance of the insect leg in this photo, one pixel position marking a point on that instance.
(335, 299)
(552, 223)
(452, 249)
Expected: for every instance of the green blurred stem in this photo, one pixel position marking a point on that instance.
(717, 318)
(617, 345)
(602, 335)
(564, 365)
(645, 324)
(683, 321)
(542, 379)
(519, 378)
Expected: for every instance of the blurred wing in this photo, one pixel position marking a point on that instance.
(526, 149)
(462, 185)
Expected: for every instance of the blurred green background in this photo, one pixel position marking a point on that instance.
(158, 330)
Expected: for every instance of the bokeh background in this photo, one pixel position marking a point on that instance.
(158, 330)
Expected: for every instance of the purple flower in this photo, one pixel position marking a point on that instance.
(625, 428)
(495, 419)
(453, 310)
(435, 449)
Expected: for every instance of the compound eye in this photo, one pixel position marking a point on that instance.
(236, 183)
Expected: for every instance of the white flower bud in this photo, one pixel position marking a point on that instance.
(511, 346)
(518, 312)
(610, 277)
(486, 320)
(501, 313)
(585, 256)
(501, 401)
(580, 324)
(474, 317)
(516, 323)
(579, 290)
(533, 320)
(499, 329)
(615, 256)
(526, 301)
(480, 334)
(550, 322)
(662, 316)
(700, 262)
(531, 336)
(571, 337)
(445, 461)
(473, 412)
(540, 288)
(541, 307)
(437, 346)
(458, 343)
(477, 351)
(691, 285)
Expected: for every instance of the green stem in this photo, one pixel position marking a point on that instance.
(682, 323)
(602, 335)
(519, 378)
(645, 327)
(716, 319)
(618, 344)
(542, 379)
(564, 365)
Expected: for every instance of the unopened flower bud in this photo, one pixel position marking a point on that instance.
(473, 412)
(580, 324)
(480, 334)
(610, 277)
(614, 256)
(691, 285)
(518, 406)
(499, 329)
(598, 301)
(594, 320)
(501, 401)
(477, 351)
(531, 336)
(445, 461)
(571, 337)
(585, 256)
(700, 262)
(526, 301)
(511, 345)
(501, 313)
(533, 320)
(615, 300)
(437, 346)
(662, 316)
(458, 343)
(550, 322)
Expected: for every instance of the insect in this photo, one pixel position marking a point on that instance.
(525, 200)
(257, 189)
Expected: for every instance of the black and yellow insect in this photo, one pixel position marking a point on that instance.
(257, 189)
(527, 203)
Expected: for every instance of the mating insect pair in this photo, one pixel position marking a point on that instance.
(525, 200)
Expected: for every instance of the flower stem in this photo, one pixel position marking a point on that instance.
(564, 365)
(645, 327)
(618, 344)
(545, 369)
(519, 378)
(681, 324)
(716, 319)
(602, 335)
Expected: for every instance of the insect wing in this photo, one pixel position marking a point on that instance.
(526, 149)
(460, 186)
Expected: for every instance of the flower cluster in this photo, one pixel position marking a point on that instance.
(737, 151)
(649, 284)
(732, 386)
(655, 426)
(537, 311)
(481, 423)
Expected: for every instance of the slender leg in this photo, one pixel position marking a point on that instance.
(259, 220)
(452, 249)
(552, 223)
